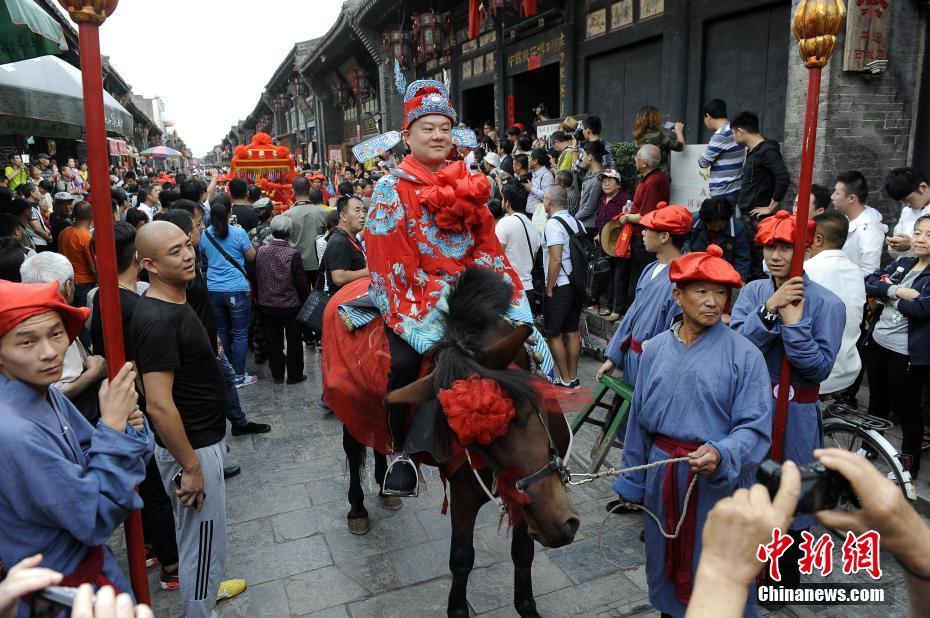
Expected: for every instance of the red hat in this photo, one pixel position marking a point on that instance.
(704, 266)
(780, 228)
(425, 97)
(21, 301)
(672, 219)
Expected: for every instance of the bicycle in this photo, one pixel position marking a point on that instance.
(850, 429)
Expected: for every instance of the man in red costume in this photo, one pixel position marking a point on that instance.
(428, 222)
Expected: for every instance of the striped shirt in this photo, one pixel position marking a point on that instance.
(725, 158)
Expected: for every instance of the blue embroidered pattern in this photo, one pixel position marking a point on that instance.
(424, 248)
(386, 210)
(450, 245)
(379, 294)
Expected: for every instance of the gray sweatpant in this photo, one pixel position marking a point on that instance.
(201, 536)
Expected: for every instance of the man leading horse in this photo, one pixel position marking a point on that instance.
(427, 223)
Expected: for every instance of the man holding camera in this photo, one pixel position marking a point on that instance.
(701, 392)
(800, 318)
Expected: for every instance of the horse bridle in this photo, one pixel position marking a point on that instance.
(555, 464)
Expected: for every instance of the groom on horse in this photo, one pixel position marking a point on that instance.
(427, 223)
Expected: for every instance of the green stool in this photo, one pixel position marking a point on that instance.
(610, 425)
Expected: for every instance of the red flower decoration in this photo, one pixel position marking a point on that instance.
(477, 409)
(456, 197)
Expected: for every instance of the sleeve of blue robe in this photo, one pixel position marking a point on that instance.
(748, 441)
(637, 443)
(812, 348)
(745, 316)
(88, 501)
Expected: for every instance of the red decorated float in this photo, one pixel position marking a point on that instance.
(268, 166)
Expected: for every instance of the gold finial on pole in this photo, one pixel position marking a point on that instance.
(89, 11)
(816, 24)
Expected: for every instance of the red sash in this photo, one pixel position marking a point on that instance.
(799, 394)
(632, 344)
(679, 553)
(89, 571)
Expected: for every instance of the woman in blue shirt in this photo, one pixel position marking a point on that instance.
(227, 251)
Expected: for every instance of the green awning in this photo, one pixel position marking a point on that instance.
(26, 31)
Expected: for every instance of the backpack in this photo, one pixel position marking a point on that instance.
(590, 268)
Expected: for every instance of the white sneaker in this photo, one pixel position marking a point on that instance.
(246, 380)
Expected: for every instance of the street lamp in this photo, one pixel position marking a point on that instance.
(89, 15)
(816, 24)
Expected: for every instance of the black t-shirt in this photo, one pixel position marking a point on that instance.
(168, 336)
(127, 304)
(342, 253)
(198, 297)
(245, 216)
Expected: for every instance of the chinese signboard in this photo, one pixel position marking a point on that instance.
(867, 26)
(548, 51)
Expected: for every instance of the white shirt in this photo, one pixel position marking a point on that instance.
(905, 226)
(513, 231)
(865, 240)
(148, 210)
(834, 271)
(540, 182)
(556, 234)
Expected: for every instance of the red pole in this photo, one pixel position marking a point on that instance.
(800, 242)
(108, 297)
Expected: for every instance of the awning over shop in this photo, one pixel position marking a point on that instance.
(43, 96)
(117, 147)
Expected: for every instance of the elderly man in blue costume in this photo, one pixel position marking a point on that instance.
(65, 485)
(798, 317)
(665, 231)
(702, 392)
(428, 222)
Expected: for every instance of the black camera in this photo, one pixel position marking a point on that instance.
(821, 489)
(579, 134)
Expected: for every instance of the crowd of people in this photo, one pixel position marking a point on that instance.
(209, 274)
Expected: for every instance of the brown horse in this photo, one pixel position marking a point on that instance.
(478, 342)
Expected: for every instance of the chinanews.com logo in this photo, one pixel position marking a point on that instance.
(859, 554)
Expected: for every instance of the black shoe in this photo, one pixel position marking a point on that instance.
(231, 471)
(250, 428)
(401, 477)
(614, 507)
(296, 380)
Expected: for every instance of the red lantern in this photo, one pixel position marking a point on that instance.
(428, 34)
(397, 46)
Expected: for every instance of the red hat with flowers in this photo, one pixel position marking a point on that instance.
(21, 301)
(704, 266)
(780, 228)
(665, 218)
(425, 97)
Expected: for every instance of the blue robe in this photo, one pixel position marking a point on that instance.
(652, 312)
(716, 392)
(812, 345)
(63, 492)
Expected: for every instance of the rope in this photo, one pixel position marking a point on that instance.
(616, 472)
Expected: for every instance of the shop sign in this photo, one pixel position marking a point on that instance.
(548, 50)
(867, 24)
(11, 125)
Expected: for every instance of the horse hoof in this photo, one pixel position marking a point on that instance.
(359, 525)
(391, 503)
(527, 609)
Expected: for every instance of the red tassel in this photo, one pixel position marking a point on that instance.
(529, 8)
(474, 18)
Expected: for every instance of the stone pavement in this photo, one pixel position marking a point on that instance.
(287, 535)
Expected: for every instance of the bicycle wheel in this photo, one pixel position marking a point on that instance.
(840, 434)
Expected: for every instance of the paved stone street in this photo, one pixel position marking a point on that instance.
(287, 535)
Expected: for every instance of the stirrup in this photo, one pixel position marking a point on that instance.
(406, 480)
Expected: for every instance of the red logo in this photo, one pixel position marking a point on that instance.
(860, 553)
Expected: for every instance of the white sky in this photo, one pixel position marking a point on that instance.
(209, 59)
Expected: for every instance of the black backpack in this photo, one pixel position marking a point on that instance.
(590, 268)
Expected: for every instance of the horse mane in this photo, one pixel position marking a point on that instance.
(476, 303)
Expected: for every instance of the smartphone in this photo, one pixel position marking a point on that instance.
(233, 220)
(177, 479)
